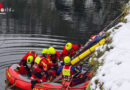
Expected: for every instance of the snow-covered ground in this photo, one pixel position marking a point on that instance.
(115, 73)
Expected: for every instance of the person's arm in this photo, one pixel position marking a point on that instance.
(59, 70)
(22, 62)
(58, 54)
(74, 69)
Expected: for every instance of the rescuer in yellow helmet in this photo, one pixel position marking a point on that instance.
(67, 70)
(27, 62)
(45, 52)
(39, 71)
(70, 50)
(53, 54)
(53, 59)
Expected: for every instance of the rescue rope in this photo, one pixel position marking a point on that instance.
(105, 29)
(118, 17)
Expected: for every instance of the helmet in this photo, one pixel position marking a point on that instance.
(68, 46)
(44, 51)
(30, 59)
(67, 59)
(52, 50)
(37, 60)
(33, 53)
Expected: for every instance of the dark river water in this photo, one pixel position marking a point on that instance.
(36, 24)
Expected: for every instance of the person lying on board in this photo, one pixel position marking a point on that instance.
(26, 63)
(93, 40)
(69, 50)
(67, 71)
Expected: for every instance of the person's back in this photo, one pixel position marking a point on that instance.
(67, 71)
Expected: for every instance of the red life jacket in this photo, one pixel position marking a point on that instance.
(52, 64)
(71, 52)
(23, 62)
(38, 67)
(44, 64)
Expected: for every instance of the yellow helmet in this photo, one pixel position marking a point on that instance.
(67, 59)
(44, 51)
(30, 59)
(52, 50)
(48, 52)
(37, 60)
(68, 46)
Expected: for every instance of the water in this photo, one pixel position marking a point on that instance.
(38, 24)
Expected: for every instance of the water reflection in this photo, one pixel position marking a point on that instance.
(71, 18)
(14, 46)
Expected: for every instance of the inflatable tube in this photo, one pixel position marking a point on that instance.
(23, 82)
(87, 52)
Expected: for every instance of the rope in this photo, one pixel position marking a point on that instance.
(105, 29)
(13, 84)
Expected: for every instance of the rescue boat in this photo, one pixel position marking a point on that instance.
(23, 82)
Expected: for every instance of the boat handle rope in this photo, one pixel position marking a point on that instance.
(13, 84)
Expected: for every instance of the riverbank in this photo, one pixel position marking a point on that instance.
(113, 66)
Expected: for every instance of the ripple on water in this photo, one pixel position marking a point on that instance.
(14, 46)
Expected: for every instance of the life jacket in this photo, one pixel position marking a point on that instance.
(66, 73)
(36, 66)
(70, 52)
(23, 62)
(93, 37)
(44, 64)
(55, 56)
(52, 63)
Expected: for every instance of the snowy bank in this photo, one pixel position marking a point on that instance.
(114, 74)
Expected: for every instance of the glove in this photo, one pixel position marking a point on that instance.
(33, 82)
(61, 63)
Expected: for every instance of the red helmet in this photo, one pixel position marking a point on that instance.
(93, 35)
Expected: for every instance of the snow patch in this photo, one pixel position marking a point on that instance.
(115, 73)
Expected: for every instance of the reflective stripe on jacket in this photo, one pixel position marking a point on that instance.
(66, 72)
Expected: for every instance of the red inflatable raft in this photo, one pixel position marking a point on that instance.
(23, 82)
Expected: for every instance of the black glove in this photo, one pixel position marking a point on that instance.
(33, 82)
(79, 45)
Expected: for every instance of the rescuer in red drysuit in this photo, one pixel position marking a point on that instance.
(39, 71)
(67, 72)
(27, 62)
(53, 58)
(70, 50)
